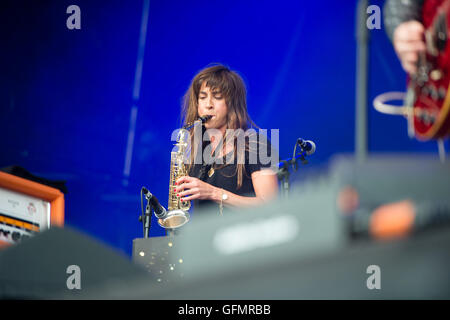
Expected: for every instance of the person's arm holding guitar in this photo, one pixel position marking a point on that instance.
(405, 29)
(408, 43)
(419, 31)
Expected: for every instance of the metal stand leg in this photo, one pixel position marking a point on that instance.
(441, 149)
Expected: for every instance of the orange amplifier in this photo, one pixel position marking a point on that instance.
(27, 207)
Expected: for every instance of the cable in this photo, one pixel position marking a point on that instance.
(380, 105)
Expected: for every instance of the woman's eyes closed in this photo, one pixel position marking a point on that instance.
(216, 96)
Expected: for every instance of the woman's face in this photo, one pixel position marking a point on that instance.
(213, 103)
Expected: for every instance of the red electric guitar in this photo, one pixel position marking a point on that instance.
(427, 103)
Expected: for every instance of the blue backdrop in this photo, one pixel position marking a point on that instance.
(66, 96)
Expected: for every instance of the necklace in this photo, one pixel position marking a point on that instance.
(210, 172)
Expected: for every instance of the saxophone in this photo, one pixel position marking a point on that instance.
(178, 214)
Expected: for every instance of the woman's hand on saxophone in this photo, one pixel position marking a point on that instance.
(190, 188)
(265, 182)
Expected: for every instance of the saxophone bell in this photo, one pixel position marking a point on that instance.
(174, 219)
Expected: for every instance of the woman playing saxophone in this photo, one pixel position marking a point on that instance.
(231, 179)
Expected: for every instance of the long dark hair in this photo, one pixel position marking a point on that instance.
(232, 87)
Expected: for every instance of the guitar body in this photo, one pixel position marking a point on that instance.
(431, 98)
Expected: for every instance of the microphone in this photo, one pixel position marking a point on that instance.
(160, 211)
(307, 145)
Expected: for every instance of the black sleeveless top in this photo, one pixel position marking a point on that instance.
(225, 175)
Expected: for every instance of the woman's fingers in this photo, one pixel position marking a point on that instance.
(188, 192)
(184, 179)
(184, 186)
(192, 197)
(189, 188)
(183, 183)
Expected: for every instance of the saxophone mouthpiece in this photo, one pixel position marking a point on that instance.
(205, 118)
(202, 119)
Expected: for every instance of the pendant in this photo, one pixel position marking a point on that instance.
(210, 172)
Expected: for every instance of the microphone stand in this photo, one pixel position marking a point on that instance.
(283, 176)
(146, 216)
(283, 173)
